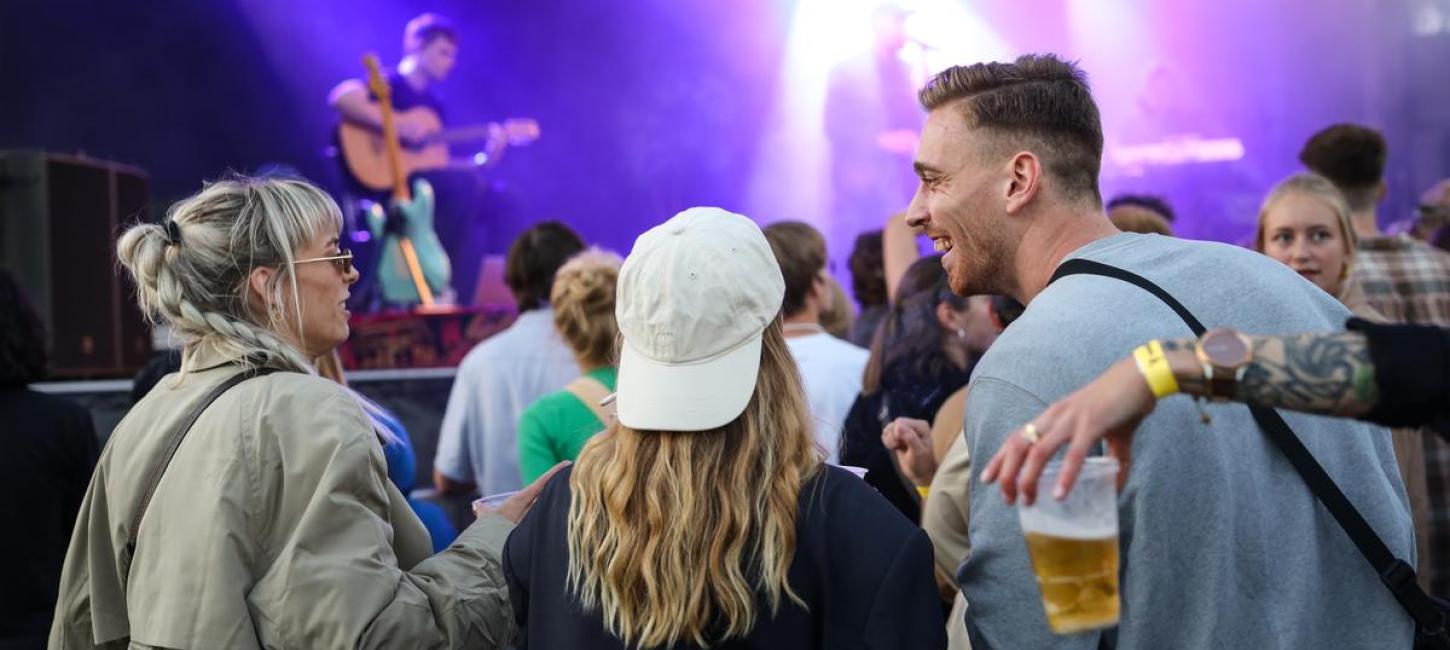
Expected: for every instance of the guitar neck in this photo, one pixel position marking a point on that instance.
(379, 87)
(464, 133)
(395, 152)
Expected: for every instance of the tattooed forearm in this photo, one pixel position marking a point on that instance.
(1320, 373)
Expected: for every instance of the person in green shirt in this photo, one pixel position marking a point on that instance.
(555, 427)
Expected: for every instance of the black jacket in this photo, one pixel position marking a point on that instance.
(864, 571)
(48, 449)
(1412, 368)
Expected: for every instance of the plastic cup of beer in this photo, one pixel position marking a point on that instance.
(1074, 547)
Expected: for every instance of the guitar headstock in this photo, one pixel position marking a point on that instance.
(376, 81)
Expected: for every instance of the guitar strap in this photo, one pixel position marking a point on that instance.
(1429, 614)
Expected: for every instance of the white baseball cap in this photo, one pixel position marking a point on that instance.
(694, 298)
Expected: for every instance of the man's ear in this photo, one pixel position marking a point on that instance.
(1024, 180)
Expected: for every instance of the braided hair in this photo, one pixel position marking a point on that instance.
(583, 302)
(192, 271)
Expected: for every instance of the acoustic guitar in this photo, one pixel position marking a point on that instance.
(412, 265)
(365, 151)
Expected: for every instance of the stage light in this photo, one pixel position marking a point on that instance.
(791, 172)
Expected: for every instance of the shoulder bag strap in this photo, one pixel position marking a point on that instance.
(591, 391)
(129, 551)
(1397, 575)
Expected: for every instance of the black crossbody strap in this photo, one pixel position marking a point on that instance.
(1396, 574)
(129, 552)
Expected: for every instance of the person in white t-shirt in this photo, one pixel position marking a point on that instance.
(503, 375)
(830, 367)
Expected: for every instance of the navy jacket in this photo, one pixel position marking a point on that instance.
(864, 570)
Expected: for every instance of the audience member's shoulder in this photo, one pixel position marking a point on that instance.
(551, 404)
(846, 352)
(56, 407)
(559, 483)
(1430, 253)
(554, 499)
(845, 502)
(529, 337)
(308, 398)
(1178, 248)
(297, 386)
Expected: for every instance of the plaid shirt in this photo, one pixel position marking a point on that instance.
(1409, 281)
(1406, 280)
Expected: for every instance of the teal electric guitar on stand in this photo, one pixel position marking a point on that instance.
(412, 267)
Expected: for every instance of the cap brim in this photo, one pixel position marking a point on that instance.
(654, 396)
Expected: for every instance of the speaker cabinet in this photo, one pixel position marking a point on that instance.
(59, 219)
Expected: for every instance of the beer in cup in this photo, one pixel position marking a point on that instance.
(1073, 544)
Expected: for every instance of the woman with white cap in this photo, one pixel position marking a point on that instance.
(704, 516)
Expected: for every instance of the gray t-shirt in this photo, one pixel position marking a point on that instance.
(1222, 544)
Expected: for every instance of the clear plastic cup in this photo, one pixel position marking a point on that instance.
(1074, 547)
(492, 501)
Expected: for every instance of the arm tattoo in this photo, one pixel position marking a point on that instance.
(1319, 373)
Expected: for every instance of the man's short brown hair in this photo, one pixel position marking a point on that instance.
(801, 252)
(1039, 101)
(1353, 158)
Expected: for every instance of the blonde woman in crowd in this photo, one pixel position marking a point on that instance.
(1304, 223)
(272, 522)
(556, 427)
(704, 516)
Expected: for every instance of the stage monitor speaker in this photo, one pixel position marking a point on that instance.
(59, 219)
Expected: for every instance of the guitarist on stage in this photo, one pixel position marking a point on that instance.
(430, 48)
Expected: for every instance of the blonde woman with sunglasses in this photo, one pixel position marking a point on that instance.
(268, 521)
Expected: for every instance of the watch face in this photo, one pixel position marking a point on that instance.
(1224, 348)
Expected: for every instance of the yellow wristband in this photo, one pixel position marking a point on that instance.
(1154, 366)
(921, 490)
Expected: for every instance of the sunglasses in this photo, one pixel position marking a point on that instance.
(342, 261)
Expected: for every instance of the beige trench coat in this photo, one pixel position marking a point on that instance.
(275, 526)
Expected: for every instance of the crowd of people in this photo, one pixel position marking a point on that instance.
(706, 447)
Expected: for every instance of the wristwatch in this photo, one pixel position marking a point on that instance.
(1225, 355)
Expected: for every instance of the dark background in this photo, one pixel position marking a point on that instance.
(650, 106)
(646, 107)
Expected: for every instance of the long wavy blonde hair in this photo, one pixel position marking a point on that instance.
(674, 535)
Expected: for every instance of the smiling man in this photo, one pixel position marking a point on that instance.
(1221, 543)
